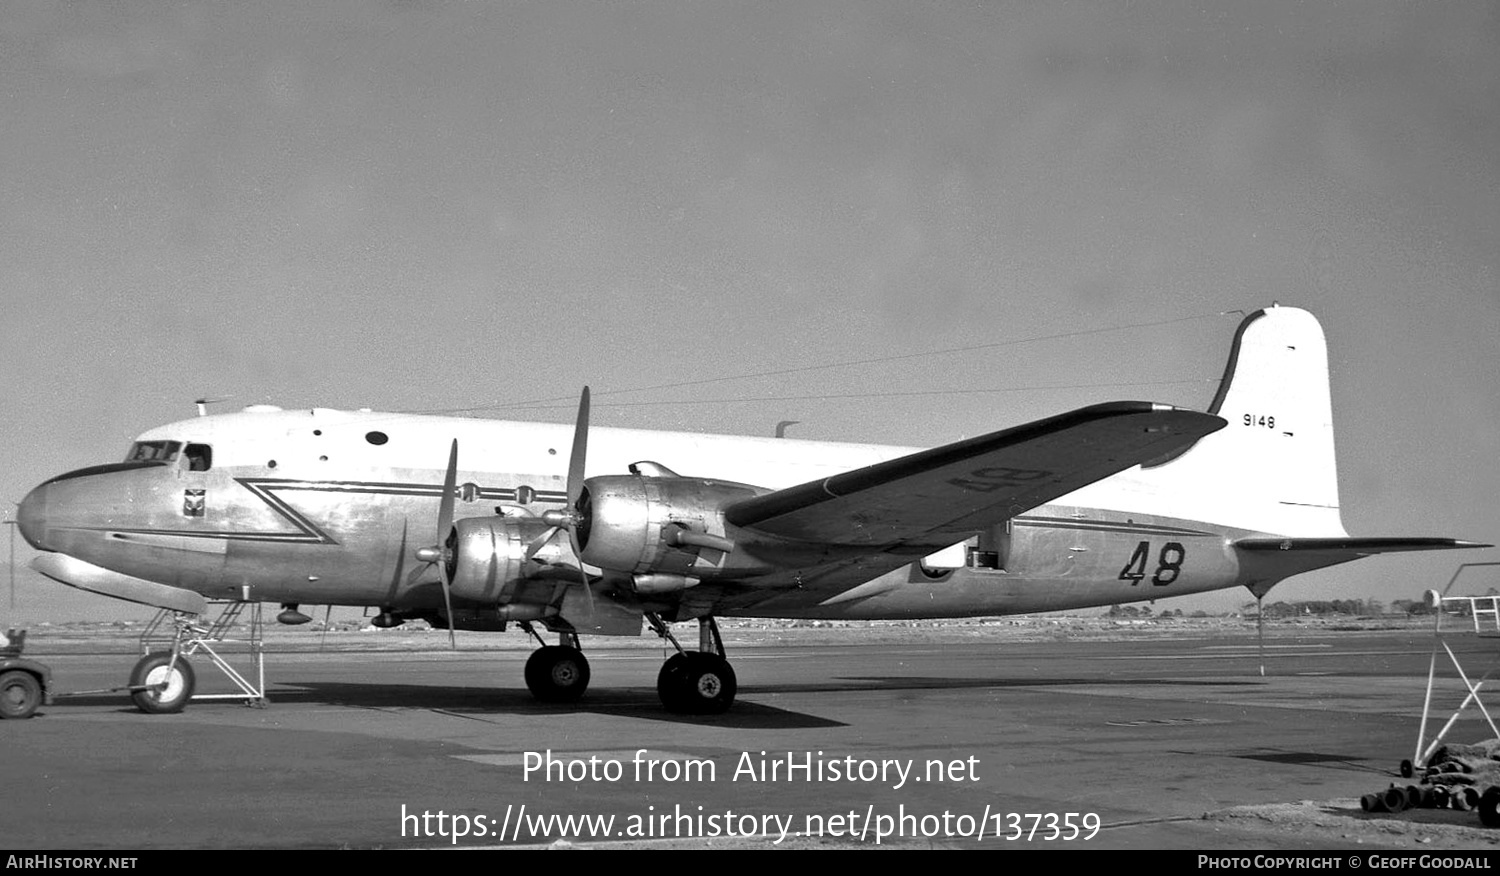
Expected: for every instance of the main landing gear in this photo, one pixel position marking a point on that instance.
(695, 682)
(691, 682)
(556, 673)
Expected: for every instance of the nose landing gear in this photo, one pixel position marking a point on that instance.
(162, 683)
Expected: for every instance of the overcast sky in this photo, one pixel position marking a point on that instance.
(469, 205)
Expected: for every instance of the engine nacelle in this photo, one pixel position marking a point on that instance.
(671, 526)
(486, 555)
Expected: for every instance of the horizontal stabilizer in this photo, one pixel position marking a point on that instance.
(1356, 547)
(96, 579)
(1265, 561)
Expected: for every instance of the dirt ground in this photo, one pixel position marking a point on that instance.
(1343, 820)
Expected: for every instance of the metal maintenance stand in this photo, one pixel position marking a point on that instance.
(1480, 608)
(188, 636)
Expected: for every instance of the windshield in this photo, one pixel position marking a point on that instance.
(153, 451)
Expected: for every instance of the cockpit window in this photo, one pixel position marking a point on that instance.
(200, 457)
(153, 451)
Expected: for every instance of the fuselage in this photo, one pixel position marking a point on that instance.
(477, 524)
(327, 507)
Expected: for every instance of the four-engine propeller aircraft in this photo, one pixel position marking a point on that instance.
(472, 524)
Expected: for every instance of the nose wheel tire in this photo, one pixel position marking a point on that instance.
(20, 694)
(695, 683)
(557, 674)
(164, 687)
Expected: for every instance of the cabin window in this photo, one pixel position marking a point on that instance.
(153, 451)
(376, 438)
(200, 457)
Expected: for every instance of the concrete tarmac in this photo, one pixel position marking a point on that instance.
(1098, 744)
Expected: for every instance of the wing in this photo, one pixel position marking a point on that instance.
(931, 499)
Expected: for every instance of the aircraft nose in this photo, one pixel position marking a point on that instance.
(31, 517)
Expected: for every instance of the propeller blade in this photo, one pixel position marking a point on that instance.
(539, 542)
(450, 486)
(445, 523)
(588, 592)
(327, 616)
(580, 450)
(576, 462)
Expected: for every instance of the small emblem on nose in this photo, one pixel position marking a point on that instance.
(192, 503)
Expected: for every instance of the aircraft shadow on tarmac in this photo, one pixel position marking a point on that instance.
(484, 703)
(478, 703)
(908, 682)
(1318, 759)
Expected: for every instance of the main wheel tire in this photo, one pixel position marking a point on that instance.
(167, 686)
(1489, 808)
(670, 684)
(557, 674)
(20, 694)
(698, 684)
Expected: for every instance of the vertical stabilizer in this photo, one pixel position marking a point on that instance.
(1272, 469)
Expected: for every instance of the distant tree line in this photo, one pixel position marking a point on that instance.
(1324, 608)
(1141, 611)
(1308, 608)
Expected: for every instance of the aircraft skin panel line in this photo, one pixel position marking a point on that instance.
(1085, 523)
(474, 524)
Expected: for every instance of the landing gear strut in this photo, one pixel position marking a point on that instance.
(557, 673)
(695, 682)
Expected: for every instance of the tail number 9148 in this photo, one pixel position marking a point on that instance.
(1168, 564)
